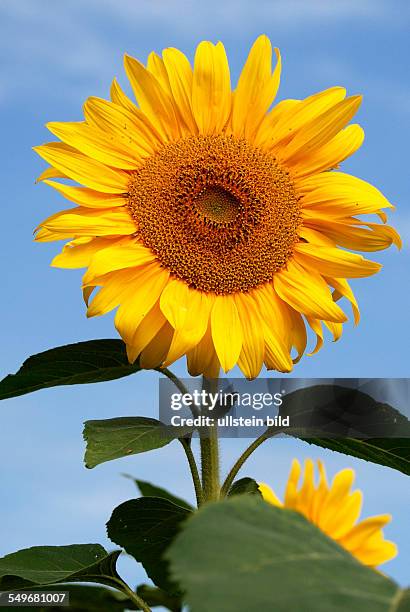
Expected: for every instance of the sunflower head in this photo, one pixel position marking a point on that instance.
(209, 217)
(335, 509)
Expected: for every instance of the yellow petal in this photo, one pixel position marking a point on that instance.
(120, 98)
(384, 553)
(145, 291)
(300, 114)
(320, 130)
(342, 289)
(89, 222)
(306, 292)
(268, 495)
(152, 98)
(180, 79)
(127, 253)
(335, 262)
(96, 144)
(156, 66)
(338, 496)
(211, 88)
(226, 331)
(376, 555)
(316, 325)
(253, 345)
(129, 127)
(155, 352)
(306, 493)
(213, 368)
(298, 334)
(78, 252)
(314, 236)
(321, 493)
(330, 155)
(87, 291)
(264, 136)
(347, 234)
(146, 331)
(276, 323)
(338, 521)
(82, 169)
(361, 532)
(336, 329)
(257, 88)
(45, 235)
(117, 286)
(340, 195)
(291, 487)
(188, 311)
(202, 359)
(51, 173)
(88, 197)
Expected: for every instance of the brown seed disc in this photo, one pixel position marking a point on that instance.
(220, 214)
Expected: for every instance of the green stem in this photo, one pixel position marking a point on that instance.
(210, 464)
(186, 445)
(194, 470)
(179, 385)
(137, 599)
(210, 453)
(245, 455)
(177, 382)
(120, 585)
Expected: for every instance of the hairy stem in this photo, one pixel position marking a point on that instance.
(194, 471)
(177, 382)
(245, 455)
(210, 464)
(210, 453)
(185, 443)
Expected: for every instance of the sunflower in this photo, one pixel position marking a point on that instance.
(210, 219)
(335, 509)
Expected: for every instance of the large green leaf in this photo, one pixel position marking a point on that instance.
(145, 527)
(42, 565)
(74, 364)
(114, 438)
(243, 554)
(147, 489)
(328, 416)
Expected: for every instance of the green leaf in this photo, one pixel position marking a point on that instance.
(149, 490)
(42, 565)
(390, 452)
(73, 364)
(84, 598)
(145, 527)
(245, 486)
(383, 432)
(114, 438)
(243, 554)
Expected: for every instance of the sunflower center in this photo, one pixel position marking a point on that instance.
(216, 204)
(220, 214)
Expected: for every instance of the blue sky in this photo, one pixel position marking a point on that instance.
(54, 55)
